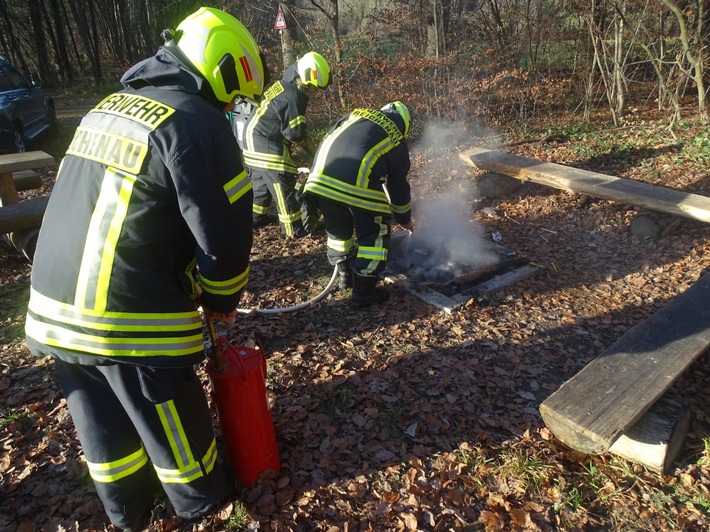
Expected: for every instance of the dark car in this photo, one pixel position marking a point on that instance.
(26, 109)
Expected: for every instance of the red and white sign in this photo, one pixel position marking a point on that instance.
(280, 23)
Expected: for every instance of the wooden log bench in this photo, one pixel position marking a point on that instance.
(20, 220)
(621, 402)
(26, 214)
(626, 191)
(26, 180)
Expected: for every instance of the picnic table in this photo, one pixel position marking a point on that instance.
(20, 220)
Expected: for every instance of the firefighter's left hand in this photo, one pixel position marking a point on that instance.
(409, 226)
(224, 317)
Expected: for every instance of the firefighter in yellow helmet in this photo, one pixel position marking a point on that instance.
(151, 198)
(279, 122)
(359, 181)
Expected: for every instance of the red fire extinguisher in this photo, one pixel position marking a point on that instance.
(238, 377)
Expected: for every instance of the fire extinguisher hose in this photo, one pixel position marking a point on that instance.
(300, 306)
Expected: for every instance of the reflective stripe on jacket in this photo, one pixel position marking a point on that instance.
(151, 190)
(362, 149)
(279, 120)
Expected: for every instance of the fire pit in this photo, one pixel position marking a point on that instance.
(447, 271)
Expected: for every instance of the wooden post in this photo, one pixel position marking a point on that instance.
(656, 439)
(653, 224)
(493, 185)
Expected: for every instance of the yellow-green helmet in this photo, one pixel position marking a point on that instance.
(403, 112)
(224, 53)
(313, 69)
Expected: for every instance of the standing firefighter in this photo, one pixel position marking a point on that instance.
(151, 190)
(361, 150)
(277, 123)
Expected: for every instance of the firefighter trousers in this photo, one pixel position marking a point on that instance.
(140, 428)
(280, 186)
(343, 224)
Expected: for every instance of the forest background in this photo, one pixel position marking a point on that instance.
(405, 418)
(488, 61)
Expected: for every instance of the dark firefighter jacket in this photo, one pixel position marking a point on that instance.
(279, 120)
(151, 186)
(364, 148)
(238, 118)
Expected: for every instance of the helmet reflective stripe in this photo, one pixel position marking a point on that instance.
(313, 69)
(403, 112)
(223, 51)
(245, 66)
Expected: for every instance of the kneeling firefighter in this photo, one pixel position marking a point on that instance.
(151, 189)
(362, 151)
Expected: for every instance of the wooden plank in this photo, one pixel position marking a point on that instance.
(471, 277)
(603, 186)
(425, 293)
(23, 215)
(655, 440)
(500, 281)
(26, 180)
(29, 160)
(595, 407)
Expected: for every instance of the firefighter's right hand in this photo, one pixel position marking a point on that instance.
(224, 317)
(409, 226)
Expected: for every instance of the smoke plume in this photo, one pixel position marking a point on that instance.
(446, 241)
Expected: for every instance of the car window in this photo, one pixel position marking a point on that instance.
(5, 84)
(17, 80)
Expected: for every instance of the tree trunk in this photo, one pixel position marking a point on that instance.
(65, 67)
(13, 41)
(432, 38)
(611, 66)
(619, 90)
(85, 26)
(149, 32)
(95, 45)
(39, 39)
(693, 50)
(288, 37)
(331, 13)
(53, 66)
(127, 22)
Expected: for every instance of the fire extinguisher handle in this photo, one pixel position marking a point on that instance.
(216, 351)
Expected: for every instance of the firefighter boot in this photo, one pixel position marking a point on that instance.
(345, 275)
(297, 230)
(260, 220)
(365, 291)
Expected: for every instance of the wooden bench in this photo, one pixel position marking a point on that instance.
(620, 398)
(637, 193)
(23, 215)
(26, 180)
(21, 220)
